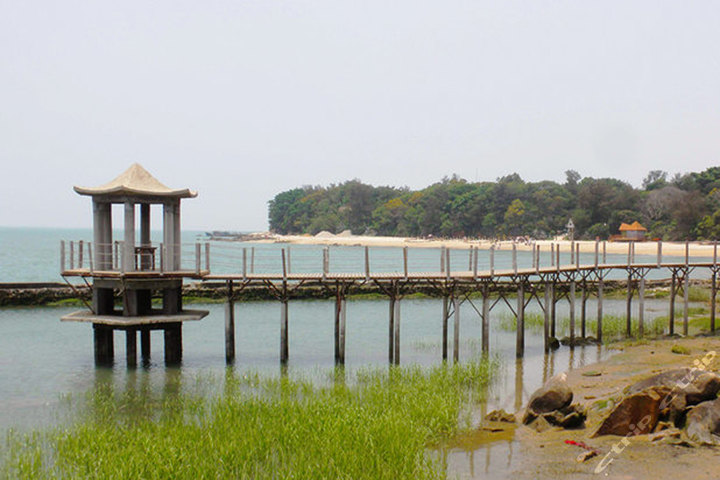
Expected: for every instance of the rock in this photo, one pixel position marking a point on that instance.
(500, 416)
(587, 455)
(636, 414)
(553, 343)
(693, 385)
(541, 424)
(554, 395)
(665, 435)
(702, 424)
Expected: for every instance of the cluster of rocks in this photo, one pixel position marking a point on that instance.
(679, 406)
(682, 404)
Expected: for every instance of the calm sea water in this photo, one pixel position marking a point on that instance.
(42, 361)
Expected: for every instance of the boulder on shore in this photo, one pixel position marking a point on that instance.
(702, 424)
(692, 384)
(554, 395)
(636, 414)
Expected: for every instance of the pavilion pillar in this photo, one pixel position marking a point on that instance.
(104, 347)
(177, 235)
(102, 234)
(169, 236)
(129, 246)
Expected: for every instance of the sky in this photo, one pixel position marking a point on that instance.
(241, 100)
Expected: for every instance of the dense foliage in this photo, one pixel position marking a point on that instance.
(684, 207)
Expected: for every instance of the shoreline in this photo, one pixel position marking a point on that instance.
(696, 249)
(547, 456)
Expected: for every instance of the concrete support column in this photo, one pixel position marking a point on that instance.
(173, 343)
(129, 247)
(102, 235)
(145, 345)
(169, 236)
(104, 346)
(145, 260)
(177, 235)
(131, 347)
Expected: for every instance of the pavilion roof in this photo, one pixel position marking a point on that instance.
(138, 182)
(632, 227)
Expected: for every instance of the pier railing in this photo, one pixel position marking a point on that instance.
(82, 257)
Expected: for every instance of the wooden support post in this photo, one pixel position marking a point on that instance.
(514, 258)
(72, 255)
(62, 256)
(534, 253)
(470, 259)
(597, 252)
(537, 259)
(583, 308)
(553, 310)
(252, 259)
(520, 330)
(145, 345)
(442, 259)
(207, 256)
(230, 325)
(628, 307)
(577, 256)
(546, 322)
(486, 320)
(104, 344)
(600, 292)
(284, 264)
(659, 253)
(244, 263)
(396, 353)
(629, 254)
(343, 322)
(131, 347)
(687, 252)
(284, 340)
(197, 258)
(641, 307)
(475, 263)
(405, 263)
(686, 301)
(173, 343)
(90, 257)
(445, 312)
(391, 333)
(80, 253)
(571, 300)
(456, 330)
(116, 255)
(713, 299)
(604, 252)
(163, 256)
(367, 263)
(552, 254)
(447, 264)
(671, 324)
(572, 252)
(492, 260)
(325, 263)
(557, 260)
(340, 320)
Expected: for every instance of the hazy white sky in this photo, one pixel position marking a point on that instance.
(243, 99)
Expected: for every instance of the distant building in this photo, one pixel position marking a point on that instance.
(633, 232)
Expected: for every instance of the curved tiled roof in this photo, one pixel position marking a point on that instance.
(136, 181)
(632, 227)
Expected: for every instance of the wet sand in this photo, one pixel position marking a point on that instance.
(545, 455)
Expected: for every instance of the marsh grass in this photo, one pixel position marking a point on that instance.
(613, 326)
(378, 426)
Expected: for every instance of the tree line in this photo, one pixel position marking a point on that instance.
(686, 206)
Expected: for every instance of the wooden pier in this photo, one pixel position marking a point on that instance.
(544, 281)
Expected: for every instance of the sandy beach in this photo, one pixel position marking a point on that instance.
(696, 249)
(547, 456)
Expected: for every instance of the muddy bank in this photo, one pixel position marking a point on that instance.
(546, 455)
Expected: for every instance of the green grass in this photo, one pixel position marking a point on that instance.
(380, 426)
(614, 326)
